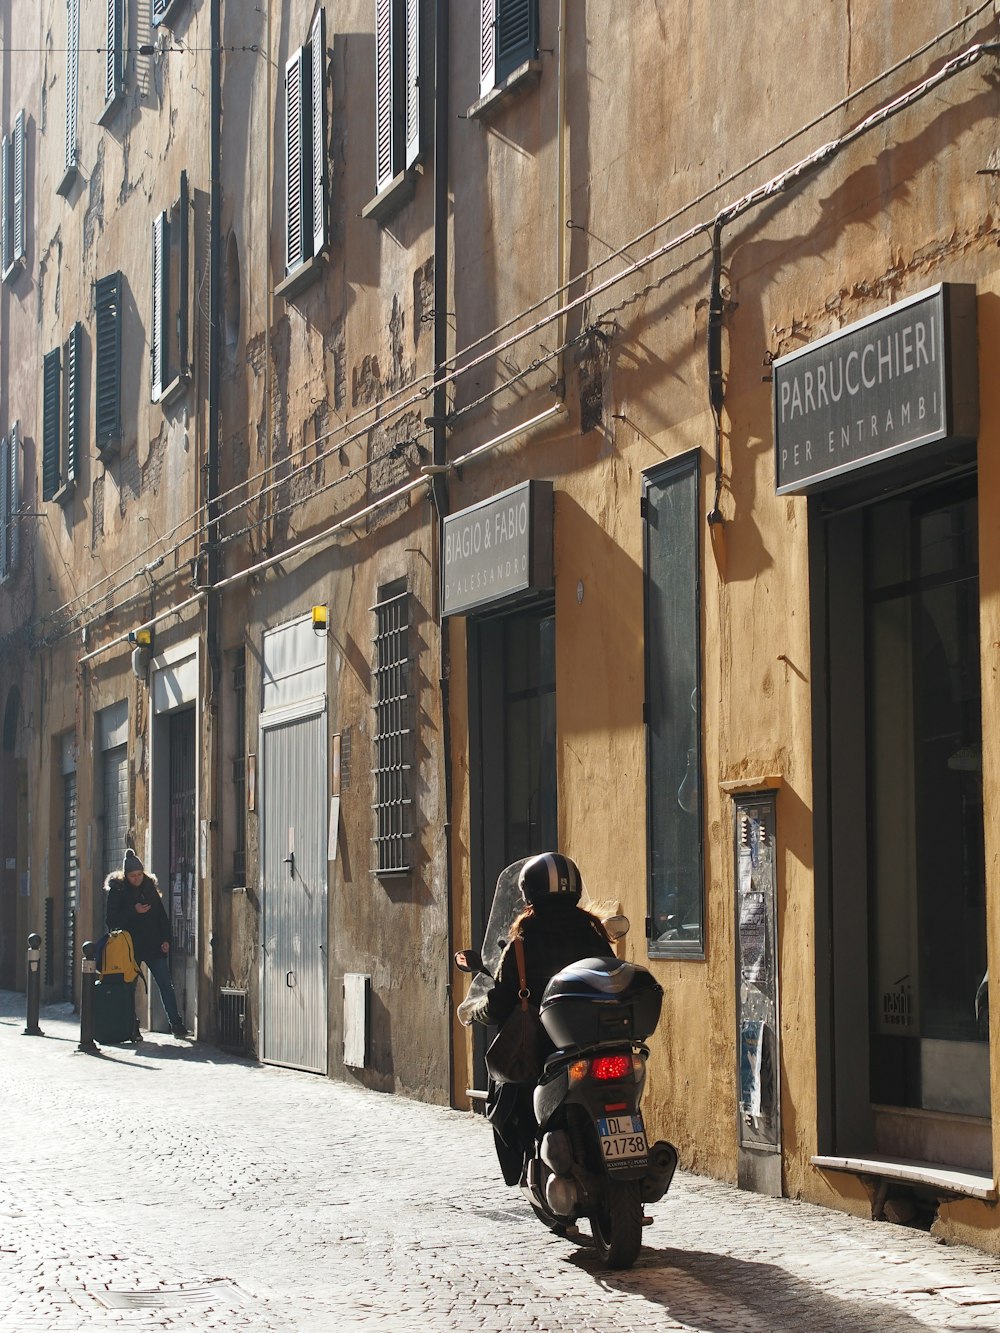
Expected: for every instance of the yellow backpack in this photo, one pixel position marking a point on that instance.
(117, 957)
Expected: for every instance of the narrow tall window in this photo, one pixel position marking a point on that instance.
(12, 217)
(114, 57)
(397, 88)
(108, 357)
(168, 334)
(392, 731)
(10, 449)
(673, 711)
(71, 148)
(306, 192)
(240, 769)
(508, 38)
(62, 419)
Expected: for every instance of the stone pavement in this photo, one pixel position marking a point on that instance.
(174, 1187)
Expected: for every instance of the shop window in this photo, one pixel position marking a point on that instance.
(71, 147)
(168, 341)
(673, 711)
(12, 217)
(108, 357)
(62, 421)
(392, 731)
(307, 204)
(10, 451)
(397, 101)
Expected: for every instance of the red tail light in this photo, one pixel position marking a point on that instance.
(610, 1067)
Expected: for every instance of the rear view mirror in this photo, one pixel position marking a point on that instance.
(617, 927)
(469, 960)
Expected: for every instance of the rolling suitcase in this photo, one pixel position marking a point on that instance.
(114, 1010)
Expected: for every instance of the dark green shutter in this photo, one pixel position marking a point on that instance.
(51, 423)
(516, 34)
(108, 352)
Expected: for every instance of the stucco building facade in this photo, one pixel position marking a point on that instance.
(509, 426)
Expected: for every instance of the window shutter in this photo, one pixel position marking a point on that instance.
(14, 499)
(73, 428)
(411, 81)
(182, 282)
(384, 164)
(516, 34)
(6, 207)
(317, 43)
(114, 69)
(487, 46)
(295, 167)
(72, 79)
(157, 333)
(5, 506)
(108, 353)
(51, 424)
(160, 8)
(20, 228)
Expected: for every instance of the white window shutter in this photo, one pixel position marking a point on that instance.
(20, 222)
(294, 166)
(487, 46)
(411, 81)
(73, 423)
(317, 43)
(114, 68)
(14, 498)
(6, 206)
(72, 80)
(384, 164)
(5, 506)
(157, 339)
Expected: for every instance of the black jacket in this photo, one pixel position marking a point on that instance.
(149, 930)
(558, 934)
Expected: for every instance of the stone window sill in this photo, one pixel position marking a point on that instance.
(399, 191)
(300, 278)
(528, 73)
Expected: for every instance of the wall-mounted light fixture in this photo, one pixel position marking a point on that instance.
(142, 651)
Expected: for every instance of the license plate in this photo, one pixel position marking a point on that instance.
(623, 1137)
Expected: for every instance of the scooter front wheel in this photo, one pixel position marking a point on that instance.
(617, 1224)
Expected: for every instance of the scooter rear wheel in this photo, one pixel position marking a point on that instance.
(617, 1224)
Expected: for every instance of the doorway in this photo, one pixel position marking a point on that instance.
(907, 875)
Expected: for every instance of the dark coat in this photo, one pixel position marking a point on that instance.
(555, 936)
(149, 930)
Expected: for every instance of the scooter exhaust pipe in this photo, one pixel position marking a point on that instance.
(662, 1165)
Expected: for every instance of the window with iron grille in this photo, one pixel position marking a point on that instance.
(393, 710)
(13, 226)
(240, 769)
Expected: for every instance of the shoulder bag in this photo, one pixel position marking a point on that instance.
(514, 1054)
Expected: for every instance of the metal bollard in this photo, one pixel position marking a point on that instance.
(88, 977)
(34, 985)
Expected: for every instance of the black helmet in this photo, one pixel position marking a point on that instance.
(550, 877)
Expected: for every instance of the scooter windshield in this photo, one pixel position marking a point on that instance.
(508, 905)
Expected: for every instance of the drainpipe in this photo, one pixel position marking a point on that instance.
(439, 421)
(560, 385)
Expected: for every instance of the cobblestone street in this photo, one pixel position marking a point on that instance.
(173, 1187)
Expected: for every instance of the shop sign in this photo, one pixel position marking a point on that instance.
(897, 381)
(499, 550)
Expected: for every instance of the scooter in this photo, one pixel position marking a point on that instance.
(592, 1159)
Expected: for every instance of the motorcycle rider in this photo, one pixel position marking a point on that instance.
(556, 932)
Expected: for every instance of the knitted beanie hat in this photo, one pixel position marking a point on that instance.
(131, 863)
